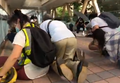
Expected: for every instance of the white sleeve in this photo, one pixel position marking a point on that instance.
(43, 26)
(19, 39)
(93, 23)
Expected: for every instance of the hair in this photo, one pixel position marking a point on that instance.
(47, 16)
(58, 18)
(81, 19)
(93, 15)
(33, 17)
(17, 14)
(25, 19)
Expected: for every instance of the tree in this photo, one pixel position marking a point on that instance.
(59, 11)
(77, 6)
(66, 15)
(113, 6)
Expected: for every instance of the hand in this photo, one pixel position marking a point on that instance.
(0, 79)
(93, 29)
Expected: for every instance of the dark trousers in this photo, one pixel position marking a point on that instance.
(78, 28)
(99, 35)
(20, 69)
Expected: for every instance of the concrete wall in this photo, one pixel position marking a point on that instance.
(3, 30)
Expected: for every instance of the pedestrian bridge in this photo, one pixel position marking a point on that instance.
(100, 70)
(10, 5)
(39, 6)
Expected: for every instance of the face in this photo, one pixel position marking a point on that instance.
(34, 20)
(16, 25)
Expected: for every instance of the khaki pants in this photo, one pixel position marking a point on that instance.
(66, 50)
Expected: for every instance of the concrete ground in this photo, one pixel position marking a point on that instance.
(100, 69)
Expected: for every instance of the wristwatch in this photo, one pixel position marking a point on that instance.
(1, 76)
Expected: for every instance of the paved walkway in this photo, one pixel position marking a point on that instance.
(100, 70)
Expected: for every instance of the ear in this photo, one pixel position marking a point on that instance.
(18, 20)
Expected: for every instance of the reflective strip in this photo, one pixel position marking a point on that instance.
(27, 60)
(29, 25)
(27, 47)
(24, 61)
(28, 41)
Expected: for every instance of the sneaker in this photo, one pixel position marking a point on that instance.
(82, 72)
(64, 70)
(83, 33)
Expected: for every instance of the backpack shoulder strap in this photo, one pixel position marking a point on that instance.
(31, 25)
(48, 28)
(103, 26)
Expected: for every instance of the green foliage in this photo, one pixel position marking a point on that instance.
(59, 11)
(109, 5)
(66, 15)
(77, 6)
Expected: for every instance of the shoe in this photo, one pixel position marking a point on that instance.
(82, 67)
(83, 33)
(82, 72)
(79, 55)
(94, 45)
(64, 70)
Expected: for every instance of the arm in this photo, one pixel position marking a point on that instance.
(77, 22)
(94, 24)
(11, 59)
(95, 27)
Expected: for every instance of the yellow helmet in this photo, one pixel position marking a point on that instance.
(10, 77)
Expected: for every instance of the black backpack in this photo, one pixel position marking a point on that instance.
(43, 51)
(112, 21)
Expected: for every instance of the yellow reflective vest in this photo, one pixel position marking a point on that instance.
(24, 60)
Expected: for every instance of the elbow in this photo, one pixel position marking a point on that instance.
(15, 58)
(94, 28)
